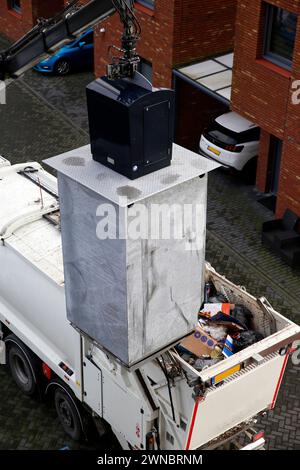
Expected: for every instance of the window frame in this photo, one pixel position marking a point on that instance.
(276, 59)
(13, 7)
(150, 4)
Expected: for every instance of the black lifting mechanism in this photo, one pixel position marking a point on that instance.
(131, 124)
(50, 34)
(126, 65)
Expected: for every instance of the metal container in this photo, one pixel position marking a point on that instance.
(131, 127)
(134, 290)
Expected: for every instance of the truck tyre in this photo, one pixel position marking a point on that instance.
(22, 365)
(68, 413)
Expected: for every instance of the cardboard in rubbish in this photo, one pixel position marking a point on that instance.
(200, 343)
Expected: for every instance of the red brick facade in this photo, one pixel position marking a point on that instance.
(175, 32)
(263, 93)
(14, 24)
(156, 45)
(203, 28)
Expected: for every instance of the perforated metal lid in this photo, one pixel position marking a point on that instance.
(79, 166)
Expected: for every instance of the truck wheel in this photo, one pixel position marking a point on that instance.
(22, 365)
(68, 413)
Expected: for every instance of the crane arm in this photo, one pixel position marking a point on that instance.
(49, 35)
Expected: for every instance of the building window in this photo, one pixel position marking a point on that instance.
(147, 3)
(280, 34)
(145, 68)
(15, 5)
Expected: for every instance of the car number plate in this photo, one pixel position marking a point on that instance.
(213, 150)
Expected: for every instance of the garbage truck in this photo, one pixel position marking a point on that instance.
(159, 402)
(107, 305)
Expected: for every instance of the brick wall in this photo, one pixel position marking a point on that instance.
(156, 44)
(13, 24)
(203, 28)
(46, 8)
(262, 92)
(176, 32)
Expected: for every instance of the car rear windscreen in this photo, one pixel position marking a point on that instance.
(218, 133)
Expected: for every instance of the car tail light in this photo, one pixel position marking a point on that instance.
(258, 436)
(234, 148)
(47, 372)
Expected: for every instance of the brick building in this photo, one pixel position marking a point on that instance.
(18, 16)
(174, 32)
(177, 32)
(267, 63)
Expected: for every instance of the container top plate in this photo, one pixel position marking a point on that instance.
(79, 166)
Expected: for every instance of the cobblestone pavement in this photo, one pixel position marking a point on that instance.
(47, 116)
(65, 94)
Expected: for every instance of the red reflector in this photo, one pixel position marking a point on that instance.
(259, 435)
(47, 371)
(234, 148)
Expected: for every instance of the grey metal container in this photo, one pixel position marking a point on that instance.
(133, 295)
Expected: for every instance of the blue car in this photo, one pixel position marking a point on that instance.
(78, 55)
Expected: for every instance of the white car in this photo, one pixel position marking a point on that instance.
(232, 140)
